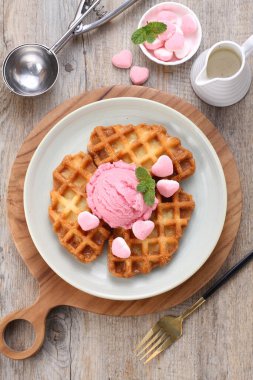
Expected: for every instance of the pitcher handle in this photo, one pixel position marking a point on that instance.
(247, 46)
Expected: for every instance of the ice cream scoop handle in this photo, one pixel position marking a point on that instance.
(108, 17)
(65, 38)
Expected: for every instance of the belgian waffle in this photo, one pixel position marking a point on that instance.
(68, 199)
(170, 218)
(141, 144)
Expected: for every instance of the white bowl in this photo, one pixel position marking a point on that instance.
(168, 5)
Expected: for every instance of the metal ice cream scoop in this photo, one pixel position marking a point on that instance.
(32, 69)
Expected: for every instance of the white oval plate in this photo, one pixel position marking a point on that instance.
(207, 186)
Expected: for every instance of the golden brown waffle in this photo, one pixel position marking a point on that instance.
(141, 144)
(170, 218)
(68, 199)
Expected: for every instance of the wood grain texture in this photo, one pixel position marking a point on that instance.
(54, 291)
(218, 340)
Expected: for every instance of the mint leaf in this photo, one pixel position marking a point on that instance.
(139, 36)
(150, 184)
(151, 37)
(156, 27)
(142, 174)
(148, 32)
(149, 197)
(142, 187)
(146, 185)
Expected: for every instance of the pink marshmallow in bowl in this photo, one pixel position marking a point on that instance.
(180, 10)
(176, 42)
(163, 54)
(154, 45)
(184, 51)
(167, 16)
(189, 25)
(171, 29)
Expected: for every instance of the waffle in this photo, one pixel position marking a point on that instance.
(68, 199)
(170, 218)
(141, 144)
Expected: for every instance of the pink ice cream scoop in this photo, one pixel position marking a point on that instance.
(112, 195)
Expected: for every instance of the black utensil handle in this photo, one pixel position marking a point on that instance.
(227, 275)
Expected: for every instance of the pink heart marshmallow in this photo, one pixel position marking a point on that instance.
(167, 187)
(142, 228)
(163, 166)
(180, 54)
(163, 54)
(176, 42)
(189, 25)
(154, 45)
(120, 248)
(171, 29)
(139, 75)
(87, 221)
(167, 16)
(123, 60)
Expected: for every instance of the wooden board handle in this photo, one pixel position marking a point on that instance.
(36, 315)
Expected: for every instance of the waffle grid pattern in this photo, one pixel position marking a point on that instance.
(170, 218)
(141, 144)
(68, 199)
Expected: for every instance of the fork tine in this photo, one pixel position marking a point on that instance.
(153, 339)
(149, 334)
(160, 341)
(167, 343)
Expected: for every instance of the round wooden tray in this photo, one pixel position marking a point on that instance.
(53, 290)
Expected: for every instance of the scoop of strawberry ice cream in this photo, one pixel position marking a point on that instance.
(112, 195)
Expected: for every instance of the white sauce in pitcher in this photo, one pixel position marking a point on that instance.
(223, 63)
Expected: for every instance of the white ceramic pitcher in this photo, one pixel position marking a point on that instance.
(226, 91)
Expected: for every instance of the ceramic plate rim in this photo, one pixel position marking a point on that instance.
(36, 155)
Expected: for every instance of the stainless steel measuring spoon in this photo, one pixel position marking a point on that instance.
(32, 69)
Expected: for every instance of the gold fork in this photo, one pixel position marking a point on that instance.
(170, 328)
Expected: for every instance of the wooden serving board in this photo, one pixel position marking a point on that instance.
(53, 290)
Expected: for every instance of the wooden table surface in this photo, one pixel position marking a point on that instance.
(218, 339)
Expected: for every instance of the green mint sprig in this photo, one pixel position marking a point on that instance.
(148, 32)
(146, 185)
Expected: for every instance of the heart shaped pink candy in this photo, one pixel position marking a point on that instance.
(142, 228)
(163, 166)
(167, 187)
(87, 221)
(154, 45)
(120, 248)
(183, 52)
(167, 16)
(123, 60)
(176, 42)
(163, 54)
(171, 29)
(189, 25)
(139, 75)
